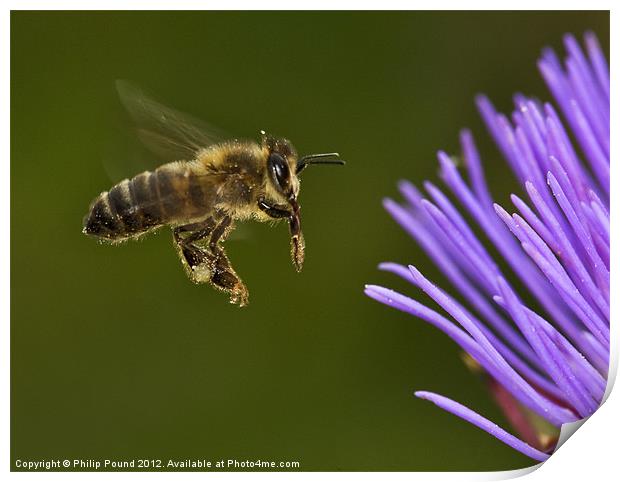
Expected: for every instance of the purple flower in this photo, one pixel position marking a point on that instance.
(539, 328)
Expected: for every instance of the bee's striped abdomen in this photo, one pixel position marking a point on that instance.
(171, 193)
(130, 208)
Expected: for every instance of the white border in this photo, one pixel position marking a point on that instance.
(591, 454)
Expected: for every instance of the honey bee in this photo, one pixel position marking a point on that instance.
(209, 186)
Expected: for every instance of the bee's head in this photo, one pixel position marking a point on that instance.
(284, 165)
(281, 166)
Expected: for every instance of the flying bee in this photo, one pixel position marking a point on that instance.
(209, 185)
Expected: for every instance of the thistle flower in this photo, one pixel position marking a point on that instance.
(538, 329)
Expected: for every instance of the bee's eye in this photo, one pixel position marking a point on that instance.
(279, 170)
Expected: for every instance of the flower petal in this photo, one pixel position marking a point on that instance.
(485, 424)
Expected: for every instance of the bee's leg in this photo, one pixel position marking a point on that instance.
(193, 257)
(223, 276)
(298, 245)
(275, 211)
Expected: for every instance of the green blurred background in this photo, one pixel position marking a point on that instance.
(115, 354)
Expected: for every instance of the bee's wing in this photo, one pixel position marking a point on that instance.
(168, 133)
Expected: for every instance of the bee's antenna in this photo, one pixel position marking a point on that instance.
(319, 159)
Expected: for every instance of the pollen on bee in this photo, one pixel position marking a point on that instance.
(201, 273)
